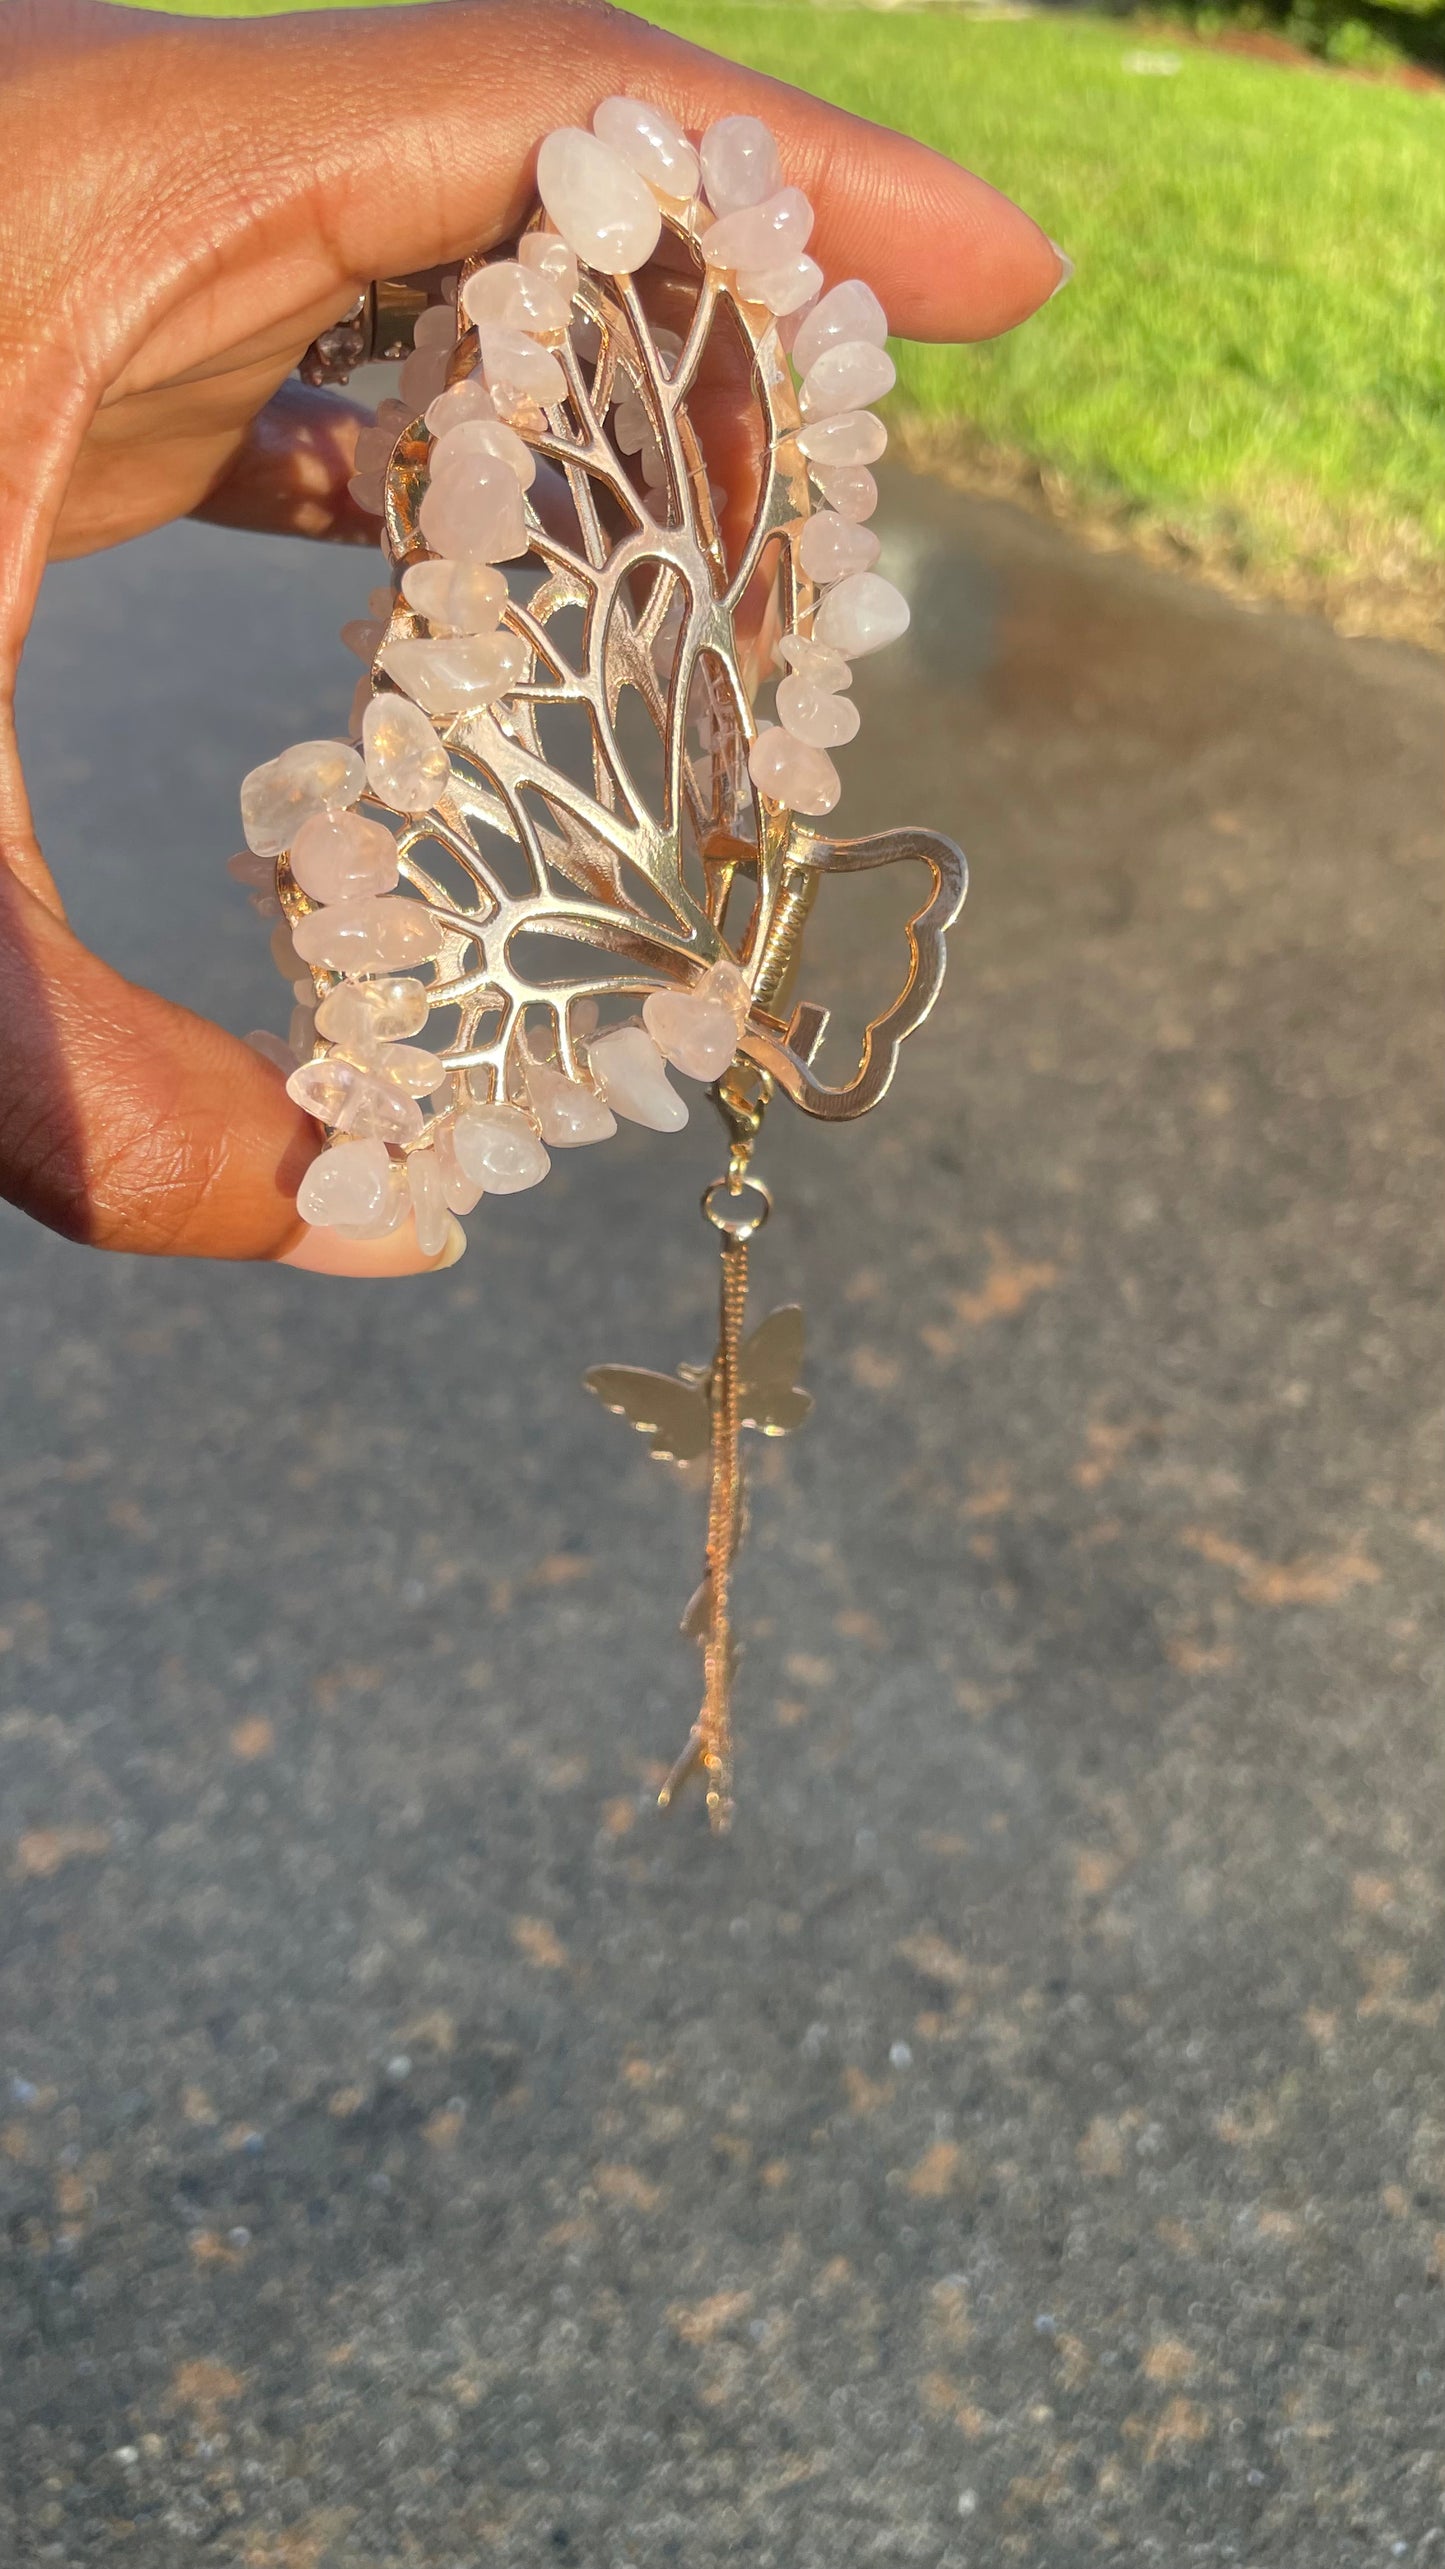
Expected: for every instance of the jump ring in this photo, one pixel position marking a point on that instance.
(737, 1226)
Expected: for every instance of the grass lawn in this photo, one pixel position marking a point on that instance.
(1250, 364)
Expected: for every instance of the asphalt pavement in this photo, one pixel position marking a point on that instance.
(1024, 2140)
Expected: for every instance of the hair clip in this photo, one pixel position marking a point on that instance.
(561, 842)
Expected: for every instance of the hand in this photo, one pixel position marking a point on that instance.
(189, 204)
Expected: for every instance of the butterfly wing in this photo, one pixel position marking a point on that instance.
(673, 1414)
(770, 1396)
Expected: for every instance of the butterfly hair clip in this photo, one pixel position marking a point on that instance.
(561, 842)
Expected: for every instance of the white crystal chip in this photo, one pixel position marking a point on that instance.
(760, 236)
(628, 1069)
(740, 164)
(456, 597)
(831, 546)
(861, 614)
(349, 1183)
(369, 936)
(548, 253)
(522, 298)
(366, 1013)
(652, 142)
(355, 1099)
(849, 437)
(784, 288)
(516, 369)
(338, 856)
(478, 518)
(820, 717)
(475, 441)
(428, 1202)
(848, 311)
(848, 488)
(597, 201)
(498, 1147)
(458, 675)
(790, 772)
(568, 1110)
(697, 1030)
(467, 400)
(816, 661)
(406, 765)
(847, 376)
(315, 776)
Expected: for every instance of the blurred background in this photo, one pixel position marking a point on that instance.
(1024, 2140)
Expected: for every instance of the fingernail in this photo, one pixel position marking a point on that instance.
(1066, 266)
(456, 1245)
(324, 1253)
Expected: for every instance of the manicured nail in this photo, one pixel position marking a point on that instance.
(325, 1253)
(1066, 266)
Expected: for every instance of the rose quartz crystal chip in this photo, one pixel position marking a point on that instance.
(356, 1100)
(831, 546)
(337, 856)
(369, 936)
(628, 1069)
(413, 1068)
(406, 765)
(697, 1030)
(760, 236)
(785, 288)
(651, 142)
(474, 441)
(517, 370)
(548, 253)
(569, 1112)
(422, 377)
(456, 597)
(361, 634)
(861, 614)
(428, 1202)
(848, 488)
(815, 715)
(468, 400)
(847, 376)
(315, 776)
(850, 437)
(349, 1183)
(815, 661)
(597, 201)
(461, 1192)
(740, 164)
(362, 1014)
(498, 1147)
(518, 297)
(790, 772)
(849, 311)
(478, 518)
(457, 675)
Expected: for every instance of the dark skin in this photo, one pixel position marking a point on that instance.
(190, 203)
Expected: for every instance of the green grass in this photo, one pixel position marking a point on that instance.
(1253, 350)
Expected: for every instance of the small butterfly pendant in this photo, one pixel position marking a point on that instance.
(675, 1410)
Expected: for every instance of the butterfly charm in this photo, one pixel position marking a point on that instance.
(674, 1411)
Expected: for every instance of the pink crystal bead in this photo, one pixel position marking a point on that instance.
(569, 1111)
(456, 675)
(385, 935)
(847, 376)
(498, 1147)
(517, 297)
(363, 1014)
(410, 1066)
(349, 1183)
(740, 164)
(785, 288)
(831, 546)
(652, 142)
(462, 1193)
(361, 634)
(428, 1202)
(338, 856)
(407, 766)
(760, 236)
(850, 437)
(315, 776)
(597, 201)
(456, 597)
(390, 1214)
(789, 772)
(357, 1100)
(848, 488)
(518, 372)
(422, 377)
(848, 311)
(369, 491)
(815, 715)
(467, 400)
(628, 1068)
(815, 661)
(435, 327)
(476, 440)
(548, 253)
(697, 1030)
(479, 518)
(862, 613)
